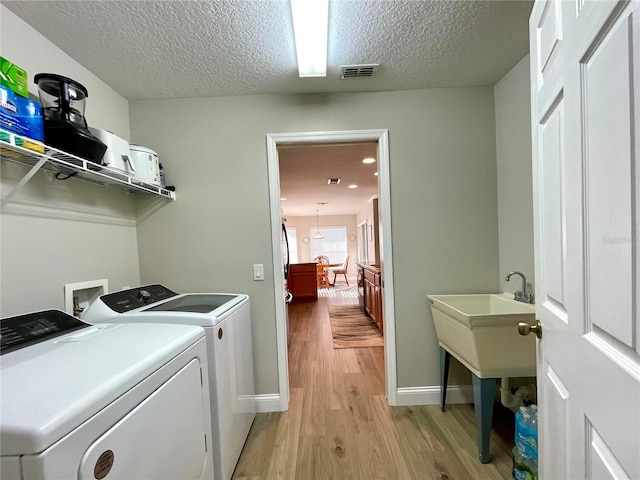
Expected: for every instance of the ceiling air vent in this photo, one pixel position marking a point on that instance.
(358, 71)
(333, 181)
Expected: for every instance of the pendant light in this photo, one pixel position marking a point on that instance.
(318, 235)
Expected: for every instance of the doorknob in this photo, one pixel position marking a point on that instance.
(525, 328)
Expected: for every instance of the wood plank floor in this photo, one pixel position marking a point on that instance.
(339, 425)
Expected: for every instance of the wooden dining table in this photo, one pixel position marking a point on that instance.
(320, 269)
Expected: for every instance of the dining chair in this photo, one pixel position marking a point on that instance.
(322, 270)
(341, 270)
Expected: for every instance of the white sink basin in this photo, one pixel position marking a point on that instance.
(481, 331)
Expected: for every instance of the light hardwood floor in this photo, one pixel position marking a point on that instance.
(339, 425)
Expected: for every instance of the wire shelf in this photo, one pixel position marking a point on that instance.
(13, 148)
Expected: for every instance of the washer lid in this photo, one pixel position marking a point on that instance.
(48, 389)
(204, 309)
(211, 303)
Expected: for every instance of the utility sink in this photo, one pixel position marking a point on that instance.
(481, 331)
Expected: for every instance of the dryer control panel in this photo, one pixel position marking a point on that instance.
(25, 330)
(127, 300)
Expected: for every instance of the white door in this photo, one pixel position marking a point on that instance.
(585, 80)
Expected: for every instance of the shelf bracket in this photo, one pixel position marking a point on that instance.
(22, 182)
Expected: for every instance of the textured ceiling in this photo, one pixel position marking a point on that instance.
(162, 49)
(305, 169)
(178, 48)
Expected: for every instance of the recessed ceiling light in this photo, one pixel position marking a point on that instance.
(282, 199)
(376, 174)
(369, 160)
(353, 186)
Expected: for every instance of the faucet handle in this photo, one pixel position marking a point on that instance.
(518, 296)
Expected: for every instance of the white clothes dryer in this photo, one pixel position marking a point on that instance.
(226, 319)
(106, 402)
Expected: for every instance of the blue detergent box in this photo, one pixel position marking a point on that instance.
(20, 115)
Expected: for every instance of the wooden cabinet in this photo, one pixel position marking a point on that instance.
(373, 295)
(303, 282)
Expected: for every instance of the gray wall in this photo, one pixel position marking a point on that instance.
(515, 195)
(22, 45)
(443, 201)
(447, 195)
(56, 232)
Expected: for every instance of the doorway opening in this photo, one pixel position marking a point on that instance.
(380, 137)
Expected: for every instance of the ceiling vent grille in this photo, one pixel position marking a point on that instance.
(358, 71)
(333, 181)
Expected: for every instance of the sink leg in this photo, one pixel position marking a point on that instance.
(484, 390)
(445, 358)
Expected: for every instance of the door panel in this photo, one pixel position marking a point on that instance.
(548, 37)
(608, 160)
(555, 421)
(546, 33)
(585, 78)
(553, 225)
(602, 463)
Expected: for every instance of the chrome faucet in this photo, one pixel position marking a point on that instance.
(521, 295)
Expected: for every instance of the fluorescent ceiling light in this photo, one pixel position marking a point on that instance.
(369, 160)
(353, 186)
(310, 26)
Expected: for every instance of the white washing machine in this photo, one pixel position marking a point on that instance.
(107, 402)
(226, 319)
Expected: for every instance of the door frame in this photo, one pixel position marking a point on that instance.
(381, 136)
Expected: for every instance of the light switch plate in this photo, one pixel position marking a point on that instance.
(258, 272)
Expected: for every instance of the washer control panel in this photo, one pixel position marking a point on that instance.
(127, 300)
(25, 330)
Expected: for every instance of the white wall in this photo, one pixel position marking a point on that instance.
(515, 194)
(56, 232)
(443, 201)
(303, 225)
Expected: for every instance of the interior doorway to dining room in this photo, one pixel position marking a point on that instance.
(326, 191)
(324, 194)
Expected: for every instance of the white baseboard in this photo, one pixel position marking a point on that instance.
(406, 396)
(267, 403)
(431, 395)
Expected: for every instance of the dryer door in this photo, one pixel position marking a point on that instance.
(162, 438)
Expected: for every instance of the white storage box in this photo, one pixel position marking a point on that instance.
(146, 163)
(117, 156)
